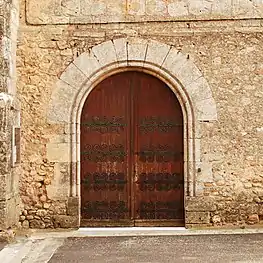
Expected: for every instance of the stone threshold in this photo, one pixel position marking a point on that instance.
(136, 231)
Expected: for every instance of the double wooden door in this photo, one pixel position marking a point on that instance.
(132, 154)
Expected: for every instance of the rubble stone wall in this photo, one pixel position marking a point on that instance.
(229, 55)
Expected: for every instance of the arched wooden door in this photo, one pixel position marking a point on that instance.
(132, 154)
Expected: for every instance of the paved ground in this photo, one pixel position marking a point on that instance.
(2, 245)
(138, 245)
(205, 248)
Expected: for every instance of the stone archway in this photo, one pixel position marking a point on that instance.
(155, 58)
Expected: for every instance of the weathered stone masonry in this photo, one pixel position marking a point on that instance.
(9, 116)
(62, 57)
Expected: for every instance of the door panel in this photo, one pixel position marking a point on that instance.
(132, 153)
(158, 153)
(105, 154)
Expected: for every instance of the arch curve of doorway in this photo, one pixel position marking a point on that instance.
(164, 62)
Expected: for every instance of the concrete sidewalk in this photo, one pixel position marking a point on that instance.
(141, 231)
(40, 245)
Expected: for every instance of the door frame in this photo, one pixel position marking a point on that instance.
(191, 144)
(134, 221)
(164, 61)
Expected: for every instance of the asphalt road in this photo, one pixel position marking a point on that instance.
(204, 248)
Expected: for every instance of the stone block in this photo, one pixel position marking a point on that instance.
(253, 219)
(41, 212)
(188, 72)
(121, 49)
(37, 224)
(197, 218)
(105, 53)
(178, 9)
(73, 206)
(206, 109)
(63, 221)
(73, 76)
(90, 7)
(222, 7)
(157, 52)
(205, 175)
(198, 7)
(216, 219)
(60, 138)
(174, 62)
(137, 50)
(200, 204)
(58, 152)
(25, 224)
(199, 89)
(60, 184)
(87, 63)
(61, 103)
(198, 226)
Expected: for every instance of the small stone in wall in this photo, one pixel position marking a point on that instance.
(253, 219)
(32, 212)
(43, 198)
(30, 217)
(25, 199)
(64, 221)
(41, 213)
(37, 224)
(25, 212)
(38, 185)
(42, 173)
(46, 205)
(47, 181)
(39, 178)
(216, 219)
(38, 205)
(22, 218)
(25, 224)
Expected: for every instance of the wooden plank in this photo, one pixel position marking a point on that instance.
(105, 151)
(159, 187)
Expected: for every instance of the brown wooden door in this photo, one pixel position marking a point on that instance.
(132, 153)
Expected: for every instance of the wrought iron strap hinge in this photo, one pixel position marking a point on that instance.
(104, 153)
(161, 153)
(104, 124)
(105, 181)
(152, 123)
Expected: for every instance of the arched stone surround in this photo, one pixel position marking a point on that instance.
(165, 62)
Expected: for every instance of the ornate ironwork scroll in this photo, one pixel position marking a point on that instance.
(159, 210)
(151, 124)
(105, 210)
(104, 153)
(160, 182)
(160, 153)
(105, 181)
(104, 124)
